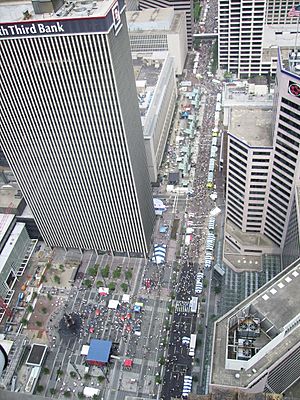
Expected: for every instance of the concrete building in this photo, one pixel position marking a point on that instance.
(79, 131)
(284, 165)
(178, 5)
(248, 119)
(157, 93)
(262, 197)
(250, 31)
(256, 345)
(14, 246)
(159, 30)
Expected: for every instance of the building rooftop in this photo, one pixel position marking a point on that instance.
(10, 196)
(147, 69)
(251, 124)
(150, 19)
(275, 308)
(37, 354)
(13, 11)
(9, 246)
(290, 60)
(279, 35)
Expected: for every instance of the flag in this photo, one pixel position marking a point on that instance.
(294, 11)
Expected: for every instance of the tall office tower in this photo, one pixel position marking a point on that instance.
(70, 125)
(240, 35)
(285, 165)
(250, 31)
(264, 169)
(178, 5)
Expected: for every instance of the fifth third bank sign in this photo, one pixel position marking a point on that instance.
(32, 29)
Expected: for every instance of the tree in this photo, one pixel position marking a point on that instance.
(73, 374)
(39, 388)
(30, 308)
(105, 272)
(34, 295)
(44, 310)
(100, 378)
(67, 393)
(49, 296)
(124, 287)
(195, 378)
(93, 271)
(87, 283)
(117, 273)
(158, 380)
(48, 265)
(52, 391)
(38, 323)
(128, 275)
(87, 376)
(170, 309)
(59, 372)
(205, 283)
(217, 289)
(24, 321)
(56, 279)
(99, 284)
(112, 286)
(61, 267)
(46, 370)
(162, 360)
(80, 395)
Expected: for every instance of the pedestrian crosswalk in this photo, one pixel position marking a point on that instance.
(182, 306)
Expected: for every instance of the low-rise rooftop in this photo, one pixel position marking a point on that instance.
(10, 198)
(150, 19)
(251, 124)
(147, 69)
(276, 306)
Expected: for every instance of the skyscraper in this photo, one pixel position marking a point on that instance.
(263, 167)
(70, 125)
(250, 32)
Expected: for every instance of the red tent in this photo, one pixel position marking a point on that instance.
(128, 363)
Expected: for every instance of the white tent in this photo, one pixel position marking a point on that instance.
(125, 298)
(90, 392)
(113, 304)
(85, 350)
(215, 212)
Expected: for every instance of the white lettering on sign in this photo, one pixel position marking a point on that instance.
(33, 29)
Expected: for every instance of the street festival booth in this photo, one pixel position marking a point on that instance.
(103, 291)
(125, 298)
(128, 363)
(138, 307)
(113, 304)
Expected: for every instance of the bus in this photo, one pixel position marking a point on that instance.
(192, 345)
